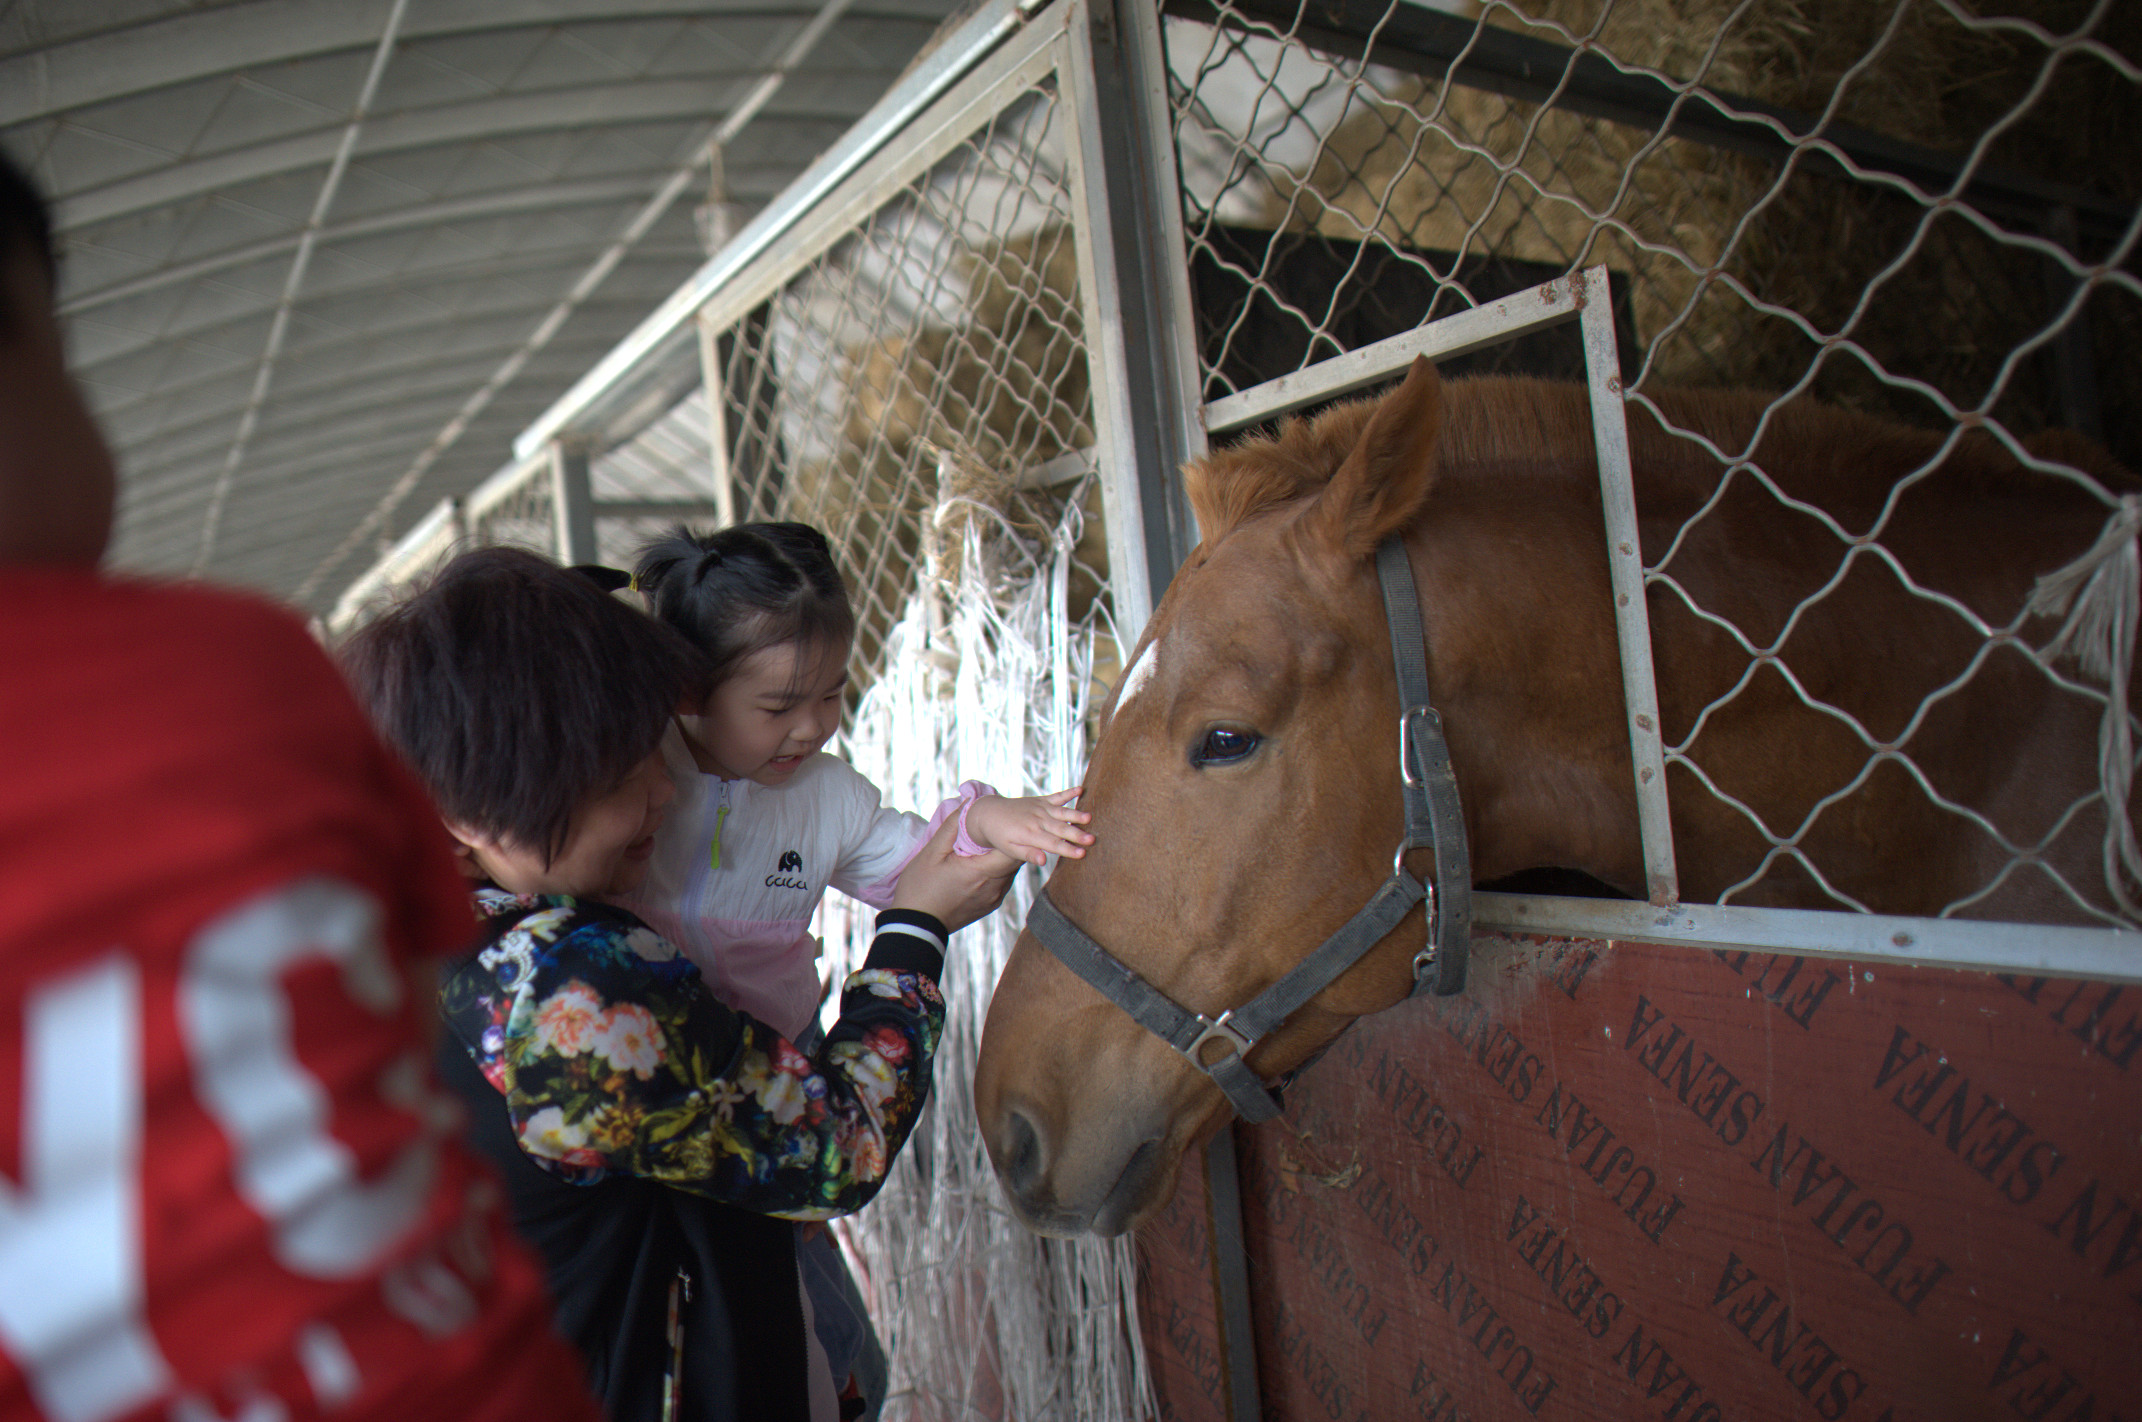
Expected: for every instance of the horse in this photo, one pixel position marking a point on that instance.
(1245, 785)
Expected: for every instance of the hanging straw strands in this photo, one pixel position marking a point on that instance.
(980, 1317)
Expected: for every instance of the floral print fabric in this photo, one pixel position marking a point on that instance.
(613, 1057)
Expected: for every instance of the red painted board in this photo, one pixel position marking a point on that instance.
(1631, 1180)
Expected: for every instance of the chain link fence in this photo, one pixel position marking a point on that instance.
(925, 376)
(909, 372)
(920, 390)
(1919, 212)
(517, 511)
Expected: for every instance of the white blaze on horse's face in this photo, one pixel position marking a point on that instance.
(1140, 674)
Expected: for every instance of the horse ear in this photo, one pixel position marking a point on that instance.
(1386, 478)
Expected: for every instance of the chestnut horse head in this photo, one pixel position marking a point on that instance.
(1246, 786)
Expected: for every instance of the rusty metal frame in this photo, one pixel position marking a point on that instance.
(2039, 950)
(1625, 568)
(1582, 296)
(1136, 305)
(1148, 403)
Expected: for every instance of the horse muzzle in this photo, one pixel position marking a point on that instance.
(1088, 1201)
(1083, 1113)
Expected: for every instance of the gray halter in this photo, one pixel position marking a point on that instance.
(1434, 821)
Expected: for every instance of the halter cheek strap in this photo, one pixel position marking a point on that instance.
(1219, 1047)
(1431, 785)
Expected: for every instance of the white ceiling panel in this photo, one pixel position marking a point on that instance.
(189, 151)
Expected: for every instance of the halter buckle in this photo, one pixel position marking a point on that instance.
(1406, 734)
(1224, 1030)
(1420, 834)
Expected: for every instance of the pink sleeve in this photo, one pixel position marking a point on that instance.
(880, 894)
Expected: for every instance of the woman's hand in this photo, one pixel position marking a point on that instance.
(954, 890)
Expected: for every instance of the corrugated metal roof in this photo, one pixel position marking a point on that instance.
(288, 305)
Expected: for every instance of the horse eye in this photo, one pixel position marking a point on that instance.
(1222, 746)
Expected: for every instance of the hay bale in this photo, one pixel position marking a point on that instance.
(1462, 169)
(936, 427)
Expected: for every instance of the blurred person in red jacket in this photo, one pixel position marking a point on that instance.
(229, 1187)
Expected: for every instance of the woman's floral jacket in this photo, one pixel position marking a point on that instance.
(612, 1056)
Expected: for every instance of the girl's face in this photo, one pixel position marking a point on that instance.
(606, 849)
(781, 704)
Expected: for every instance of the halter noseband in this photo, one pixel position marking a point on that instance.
(1434, 821)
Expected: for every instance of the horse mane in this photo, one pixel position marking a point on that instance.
(1266, 471)
(1486, 420)
(1505, 421)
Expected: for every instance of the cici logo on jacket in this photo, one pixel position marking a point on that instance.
(786, 874)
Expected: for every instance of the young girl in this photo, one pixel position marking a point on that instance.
(644, 1132)
(763, 822)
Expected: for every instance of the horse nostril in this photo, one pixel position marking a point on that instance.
(1021, 1163)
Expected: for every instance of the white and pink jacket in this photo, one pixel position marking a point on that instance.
(739, 868)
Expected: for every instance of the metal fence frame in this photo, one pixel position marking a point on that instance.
(1524, 67)
(1147, 391)
(2101, 954)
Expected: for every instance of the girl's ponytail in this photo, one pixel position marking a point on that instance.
(656, 563)
(738, 590)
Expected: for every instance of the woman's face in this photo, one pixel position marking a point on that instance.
(606, 849)
(782, 703)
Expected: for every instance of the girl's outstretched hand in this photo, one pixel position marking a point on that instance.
(1032, 827)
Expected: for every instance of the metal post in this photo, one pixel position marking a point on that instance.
(1157, 238)
(1230, 1275)
(717, 387)
(1625, 569)
(572, 503)
(1136, 297)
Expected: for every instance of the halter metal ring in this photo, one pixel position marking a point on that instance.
(1223, 1030)
(1398, 864)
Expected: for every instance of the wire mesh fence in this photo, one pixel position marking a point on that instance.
(1915, 213)
(926, 374)
(639, 489)
(918, 387)
(524, 518)
(658, 479)
(920, 391)
(992, 678)
(517, 511)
